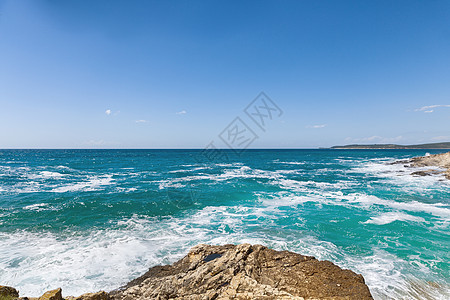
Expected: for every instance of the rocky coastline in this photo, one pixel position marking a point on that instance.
(232, 272)
(441, 161)
(394, 146)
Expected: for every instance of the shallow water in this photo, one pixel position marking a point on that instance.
(86, 220)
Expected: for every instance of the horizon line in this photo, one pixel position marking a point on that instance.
(228, 149)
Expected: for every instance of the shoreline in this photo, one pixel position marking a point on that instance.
(241, 271)
(441, 160)
(391, 213)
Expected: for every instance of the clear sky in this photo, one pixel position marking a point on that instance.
(174, 74)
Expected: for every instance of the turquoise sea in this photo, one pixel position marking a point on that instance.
(86, 220)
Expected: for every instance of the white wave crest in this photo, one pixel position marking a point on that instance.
(93, 184)
(36, 207)
(390, 217)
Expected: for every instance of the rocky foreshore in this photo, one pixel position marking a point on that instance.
(233, 272)
(10, 293)
(434, 161)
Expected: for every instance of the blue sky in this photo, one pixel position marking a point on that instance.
(174, 74)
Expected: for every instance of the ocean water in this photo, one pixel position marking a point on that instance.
(86, 220)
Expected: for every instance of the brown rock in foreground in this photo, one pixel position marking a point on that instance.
(7, 291)
(245, 272)
(102, 295)
(52, 295)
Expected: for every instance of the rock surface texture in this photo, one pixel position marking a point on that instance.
(52, 295)
(7, 291)
(90, 296)
(10, 293)
(245, 272)
(436, 160)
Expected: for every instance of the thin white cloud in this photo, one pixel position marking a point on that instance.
(430, 108)
(141, 121)
(94, 143)
(100, 143)
(376, 139)
(317, 126)
(108, 112)
(441, 138)
(183, 112)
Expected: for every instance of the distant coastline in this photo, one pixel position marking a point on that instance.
(394, 146)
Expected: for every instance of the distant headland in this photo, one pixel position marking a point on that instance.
(394, 146)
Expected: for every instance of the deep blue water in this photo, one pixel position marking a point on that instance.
(87, 220)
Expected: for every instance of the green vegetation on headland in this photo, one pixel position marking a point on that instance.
(394, 146)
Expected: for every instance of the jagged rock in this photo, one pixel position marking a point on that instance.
(436, 160)
(245, 272)
(7, 291)
(102, 295)
(52, 295)
(425, 173)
